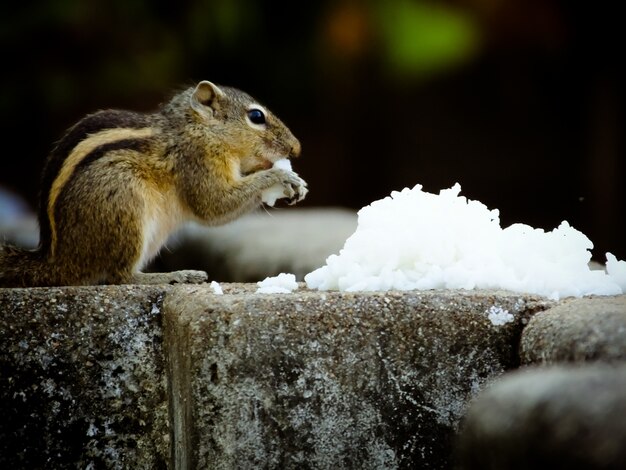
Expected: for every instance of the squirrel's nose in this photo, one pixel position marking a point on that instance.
(295, 149)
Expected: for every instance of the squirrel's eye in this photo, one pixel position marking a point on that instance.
(256, 116)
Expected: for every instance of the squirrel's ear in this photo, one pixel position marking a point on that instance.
(205, 97)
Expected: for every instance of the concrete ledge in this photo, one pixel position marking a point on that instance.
(177, 377)
(322, 380)
(82, 381)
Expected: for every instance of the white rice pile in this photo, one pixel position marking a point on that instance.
(281, 284)
(417, 240)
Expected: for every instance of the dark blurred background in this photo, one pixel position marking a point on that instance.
(520, 101)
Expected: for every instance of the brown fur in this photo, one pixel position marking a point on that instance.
(119, 183)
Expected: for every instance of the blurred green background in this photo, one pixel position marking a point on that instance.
(520, 101)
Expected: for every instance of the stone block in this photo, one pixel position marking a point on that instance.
(82, 382)
(569, 417)
(329, 379)
(577, 330)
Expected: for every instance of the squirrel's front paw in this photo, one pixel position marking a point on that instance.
(295, 188)
(289, 186)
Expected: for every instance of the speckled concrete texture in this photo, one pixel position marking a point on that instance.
(82, 381)
(577, 330)
(179, 377)
(332, 380)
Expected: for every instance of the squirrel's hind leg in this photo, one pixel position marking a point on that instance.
(176, 277)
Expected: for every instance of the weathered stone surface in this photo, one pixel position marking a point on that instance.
(82, 381)
(577, 330)
(557, 417)
(331, 380)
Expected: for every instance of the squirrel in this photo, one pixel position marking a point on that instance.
(119, 183)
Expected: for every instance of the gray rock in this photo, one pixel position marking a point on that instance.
(12, 206)
(261, 244)
(559, 418)
(82, 381)
(22, 232)
(331, 380)
(18, 224)
(586, 329)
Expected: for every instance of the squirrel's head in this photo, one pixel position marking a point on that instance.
(247, 129)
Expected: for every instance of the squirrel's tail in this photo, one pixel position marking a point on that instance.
(21, 268)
